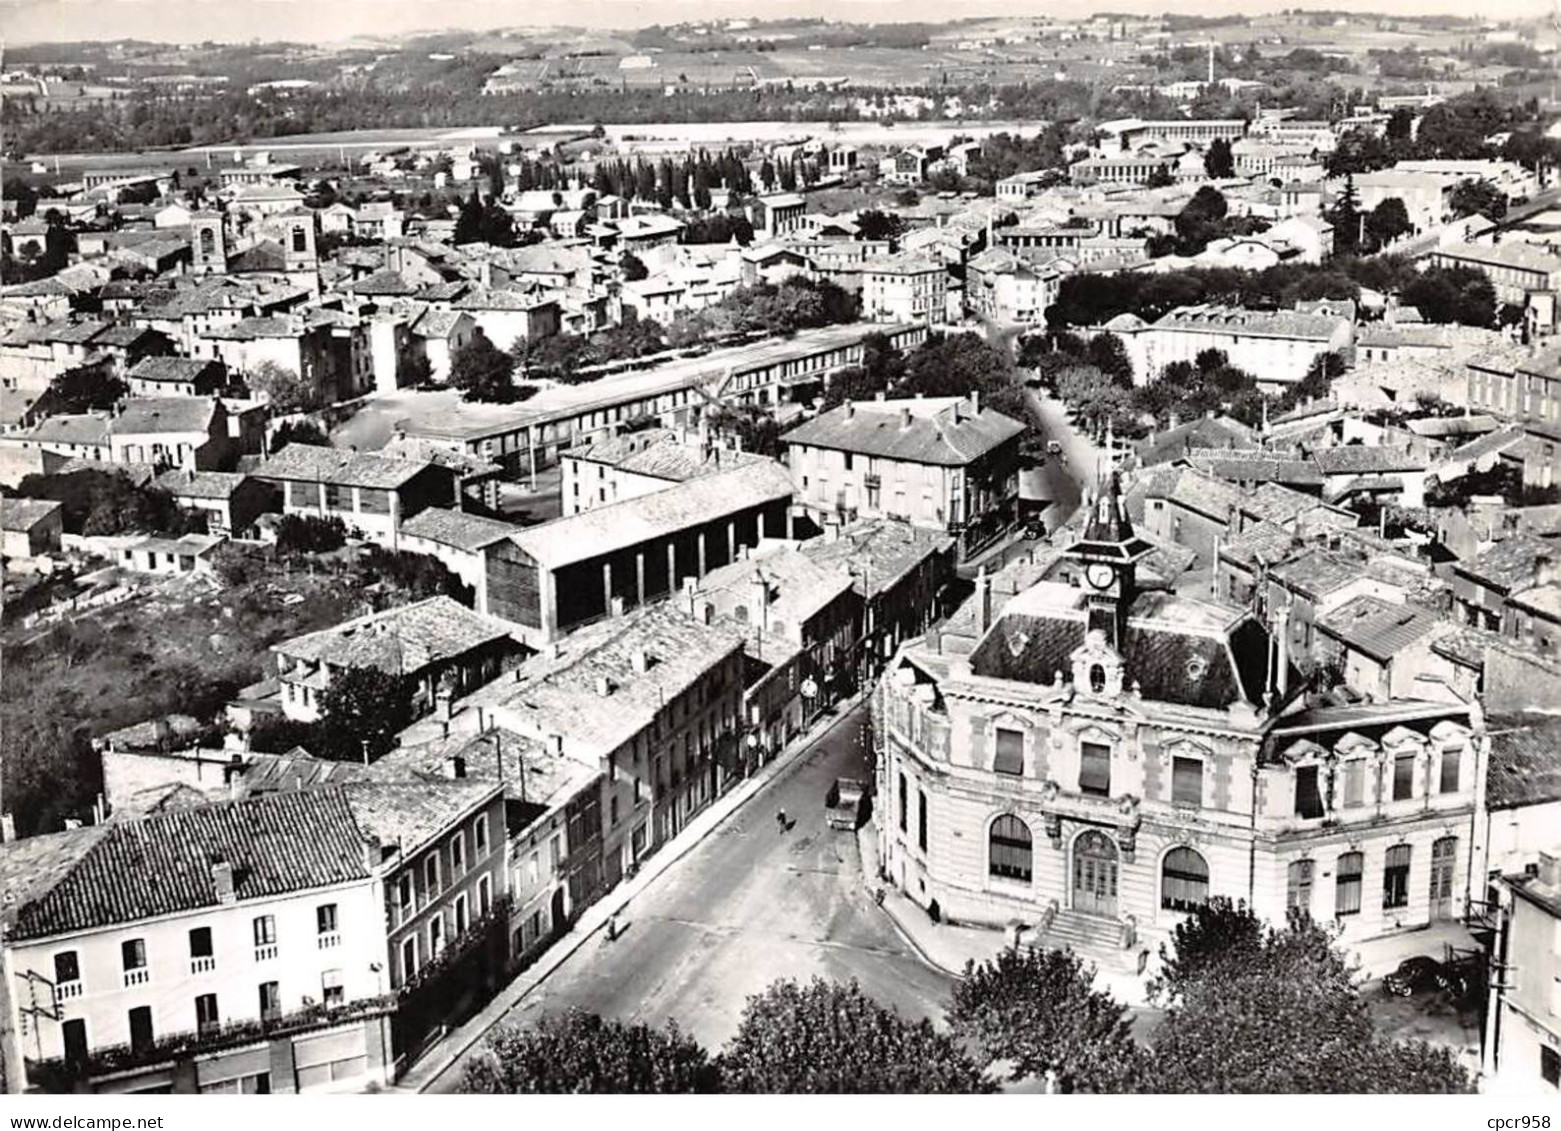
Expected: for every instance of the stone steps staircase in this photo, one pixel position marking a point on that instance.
(1090, 936)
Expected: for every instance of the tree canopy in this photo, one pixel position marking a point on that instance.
(576, 1053)
(86, 387)
(1038, 1010)
(482, 371)
(828, 1037)
(361, 712)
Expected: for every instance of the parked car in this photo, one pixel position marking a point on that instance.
(843, 804)
(1054, 447)
(1415, 975)
(1463, 977)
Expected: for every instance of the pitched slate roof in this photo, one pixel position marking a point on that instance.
(200, 484)
(930, 430)
(1512, 563)
(400, 641)
(336, 465)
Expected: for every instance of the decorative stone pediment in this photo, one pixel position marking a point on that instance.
(1183, 748)
(1402, 740)
(1449, 733)
(1355, 744)
(1097, 667)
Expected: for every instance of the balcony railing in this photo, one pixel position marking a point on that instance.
(329, 939)
(57, 1075)
(203, 965)
(265, 952)
(452, 952)
(65, 990)
(138, 977)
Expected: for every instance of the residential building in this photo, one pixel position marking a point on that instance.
(30, 528)
(250, 945)
(459, 541)
(230, 501)
(437, 644)
(1277, 347)
(905, 288)
(638, 463)
(188, 433)
(941, 463)
(175, 376)
(372, 494)
(1522, 1045)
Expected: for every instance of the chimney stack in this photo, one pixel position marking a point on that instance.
(641, 660)
(1282, 642)
(222, 877)
(761, 601)
(618, 607)
(975, 402)
(905, 417)
(1549, 869)
(455, 767)
(603, 686)
(850, 409)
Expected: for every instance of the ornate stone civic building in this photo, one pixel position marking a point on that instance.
(1094, 759)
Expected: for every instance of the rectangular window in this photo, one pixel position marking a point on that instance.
(373, 501)
(1187, 781)
(1403, 777)
(1354, 783)
(1009, 758)
(1450, 767)
(1308, 798)
(67, 967)
(1395, 877)
(921, 820)
(1550, 1066)
(270, 1001)
(337, 497)
(457, 855)
(206, 1019)
(332, 991)
(408, 957)
(435, 935)
(462, 914)
(905, 804)
(265, 930)
(484, 895)
(404, 893)
(1347, 884)
(1095, 769)
(325, 918)
(431, 875)
(555, 848)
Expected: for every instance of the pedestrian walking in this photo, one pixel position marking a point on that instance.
(780, 820)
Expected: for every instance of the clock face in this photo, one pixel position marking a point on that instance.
(1100, 576)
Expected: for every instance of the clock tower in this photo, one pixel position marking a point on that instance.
(1108, 555)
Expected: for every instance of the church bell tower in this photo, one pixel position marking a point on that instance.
(1108, 555)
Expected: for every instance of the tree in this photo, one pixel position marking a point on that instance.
(1345, 218)
(310, 534)
(633, 268)
(875, 225)
(1038, 1010)
(1218, 162)
(1275, 1010)
(1201, 220)
(1477, 198)
(285, 390)
(482, 371)
(1160, 178)
(1401, 124)
(828, 1037)
(1387, 222)
(1453, 294)
(299, 432)
(86, 387)
(580, 1053)
(468, 223)
(361, 712)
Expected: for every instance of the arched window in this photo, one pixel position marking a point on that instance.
(1184, 880)
(1097, 678)
(1009, 849)
(208, 242)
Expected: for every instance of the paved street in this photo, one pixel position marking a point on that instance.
(748, 906)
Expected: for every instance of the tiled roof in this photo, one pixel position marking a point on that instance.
(1260, 323)
(1513, 562)
(1274, 502)
(1376, 627)
(798, 588)
(311, 462)
(182, 369)
(561, 694)
(466, 465)
(663, 454)
(200, 484)
(1358, 459)
(1204, 432)
(71, 428)
(408, 815)
(1318, 572)
(400, 641)
(628, 523)
(1525, 761)
(463, 531)
(141, 416)
(529, 770)
(22, 515)
(879, 551)
(509, 298)
(931, 430)
(162, 864)
(1197, 491)
(1261, 543)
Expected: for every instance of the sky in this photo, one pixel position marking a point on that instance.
(314, 21)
